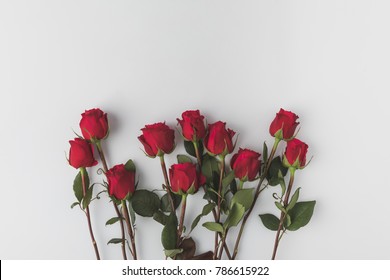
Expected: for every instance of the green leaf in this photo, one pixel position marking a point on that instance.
(228, 179)
(74, 204)
(209, 165)
(270, 221)
(293, 200)
(172, 253)
(190, 149)
(214, 226)
(145, 203)
(169, 233)
(165, 204)
(132, 213)
(235, 215)
(112, 221)
(206, 210)
(88, 196)
(160, 217)
(301, 214)
(282, 183)
(78, 187)
(130, 166)
(265, 153)
(196, 222)
(244, 197)
(287, 221)
(183, 159)
(273, 172)
(233, 187)
(115, 241)
(280, 206)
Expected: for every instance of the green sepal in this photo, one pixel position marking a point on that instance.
(183, 159)
(130, 166)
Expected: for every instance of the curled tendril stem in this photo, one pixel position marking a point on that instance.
(100, 171)
(97, 195)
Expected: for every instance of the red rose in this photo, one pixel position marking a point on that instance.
(81, 154)
(158, 139)
(192, 125)
(121, 181)
(284, 125)
(246, 164)
(184, 178)
(295, 154)
(219, 140)
(94, 124)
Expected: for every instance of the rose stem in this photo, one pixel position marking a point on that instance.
(130, 229)
(240, 185)
(83, 172)
(222, 171)
(198, 157)
(257, 193)
(282, 214)
(196, 147)
(223, 244)
(167, 185)
(118, 213)
(182, 214)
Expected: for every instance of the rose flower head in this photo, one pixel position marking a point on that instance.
(158, 139)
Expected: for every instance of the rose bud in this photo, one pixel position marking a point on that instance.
(192, 125)
(219, 140)
(94, 124)
(121, 181)
(81, 153)
(158, 139)
(295, 154)
(246, 164)
(284, 125)
(184, 178)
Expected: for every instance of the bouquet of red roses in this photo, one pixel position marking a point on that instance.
(204, 170)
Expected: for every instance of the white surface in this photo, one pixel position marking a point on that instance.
(149, 269)
(236, 61)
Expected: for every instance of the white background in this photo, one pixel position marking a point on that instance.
(237, 61)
